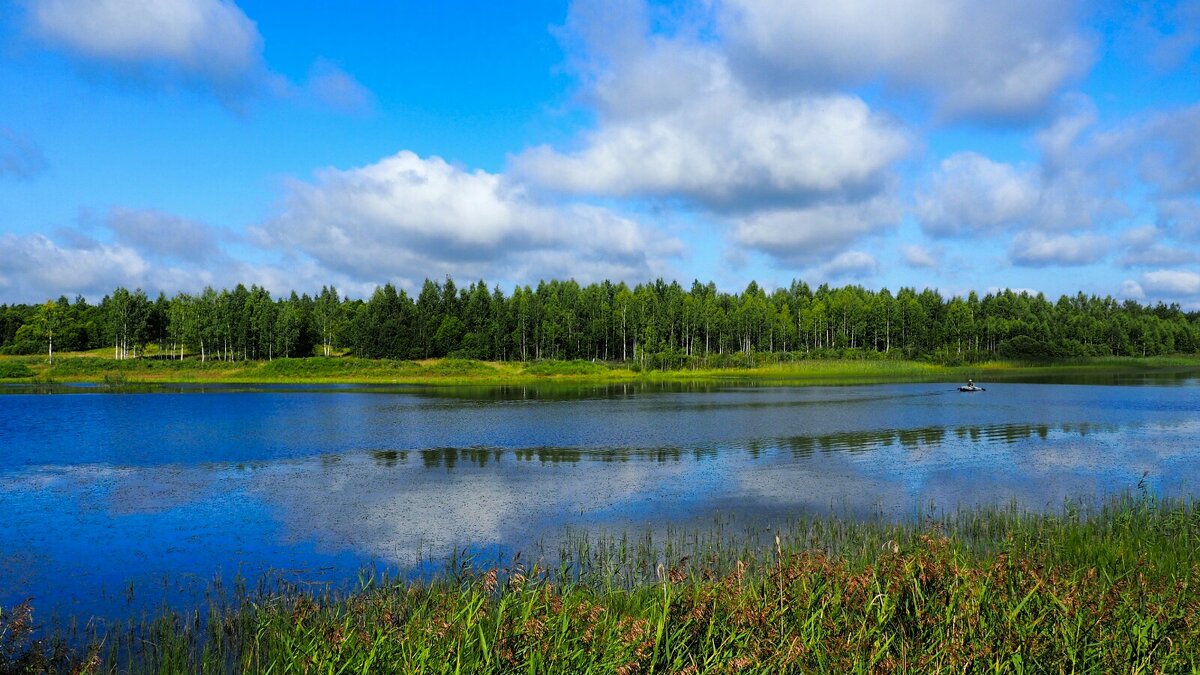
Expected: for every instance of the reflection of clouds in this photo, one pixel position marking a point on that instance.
(1148, 448)
(398, 512)
(158, 489)
(121, 490)
(1036, 466)
(321, 483)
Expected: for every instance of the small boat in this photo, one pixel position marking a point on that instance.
(965, 388)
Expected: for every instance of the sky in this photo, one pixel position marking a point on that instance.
(1042, 145)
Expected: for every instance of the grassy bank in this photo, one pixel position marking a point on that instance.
(101, 369)
(1111, 590)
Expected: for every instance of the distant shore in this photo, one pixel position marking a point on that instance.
(91, 368)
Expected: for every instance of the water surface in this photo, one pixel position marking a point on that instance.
(114, 500)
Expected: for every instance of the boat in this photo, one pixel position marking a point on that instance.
(971, 388)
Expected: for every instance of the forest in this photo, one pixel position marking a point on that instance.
(652, 325)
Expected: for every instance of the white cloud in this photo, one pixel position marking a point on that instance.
(725, 151)
(1144, 247)
(156, 233)
(806, 235)
(1157, 255)
(1171, 282)
(972, 194)
(1060, 140)
(1171, 156)
(918, 256)
(1036, 249)
(854, 264)
(1141, 236)
(208, 45)
(1132, 290)
(211, 42)
(976, 59)
(1075, 185)
(407, 218)
(1181, 216)
(35, 267)
(800, 176)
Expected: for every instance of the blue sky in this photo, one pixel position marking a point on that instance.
(961, 145)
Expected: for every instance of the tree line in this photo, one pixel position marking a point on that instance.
(653, 325)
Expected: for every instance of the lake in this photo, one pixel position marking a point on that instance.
(113, 501)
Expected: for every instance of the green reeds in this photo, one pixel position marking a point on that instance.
(1105, 588)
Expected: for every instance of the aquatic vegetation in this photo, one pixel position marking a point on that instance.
(1101, 589)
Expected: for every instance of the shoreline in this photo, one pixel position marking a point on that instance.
(971, 590)
(462, 372)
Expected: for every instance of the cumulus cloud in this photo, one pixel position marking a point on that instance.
(1060, 141)
(970, 193)
(1171, 282)
(208, 45)
(1132, 290)
(156, 233)
(1144, 247)
(1037, 249)
(918, 256)
(206, 42)
(1171, 159)
(20, 158)
(852, 264)
(36, 267)
(72, 263)
(975, 59)
(806, 235)
(725, 151)
(1076, 184)
(407, 217)
(798, 175)
(1180, 216)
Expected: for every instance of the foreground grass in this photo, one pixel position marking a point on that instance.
(1111, 590)
(99, 369)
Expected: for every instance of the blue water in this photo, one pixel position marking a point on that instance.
(117, 501)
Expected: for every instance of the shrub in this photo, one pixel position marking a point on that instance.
(11, 370)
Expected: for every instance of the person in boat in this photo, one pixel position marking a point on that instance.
(970, 384)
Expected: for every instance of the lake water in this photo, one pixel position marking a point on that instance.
(160, 492)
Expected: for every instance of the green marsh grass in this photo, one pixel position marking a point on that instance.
(14, 370)
(1108, 588)
(456, 372)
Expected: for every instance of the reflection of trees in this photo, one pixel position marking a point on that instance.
(435, 458)
(863, 441)
(450, 458)
(798, 446)
(389, 458)
(553, 391)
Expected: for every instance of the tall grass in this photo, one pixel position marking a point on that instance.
(453, 371)
(1105, 589)
(13, 370)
